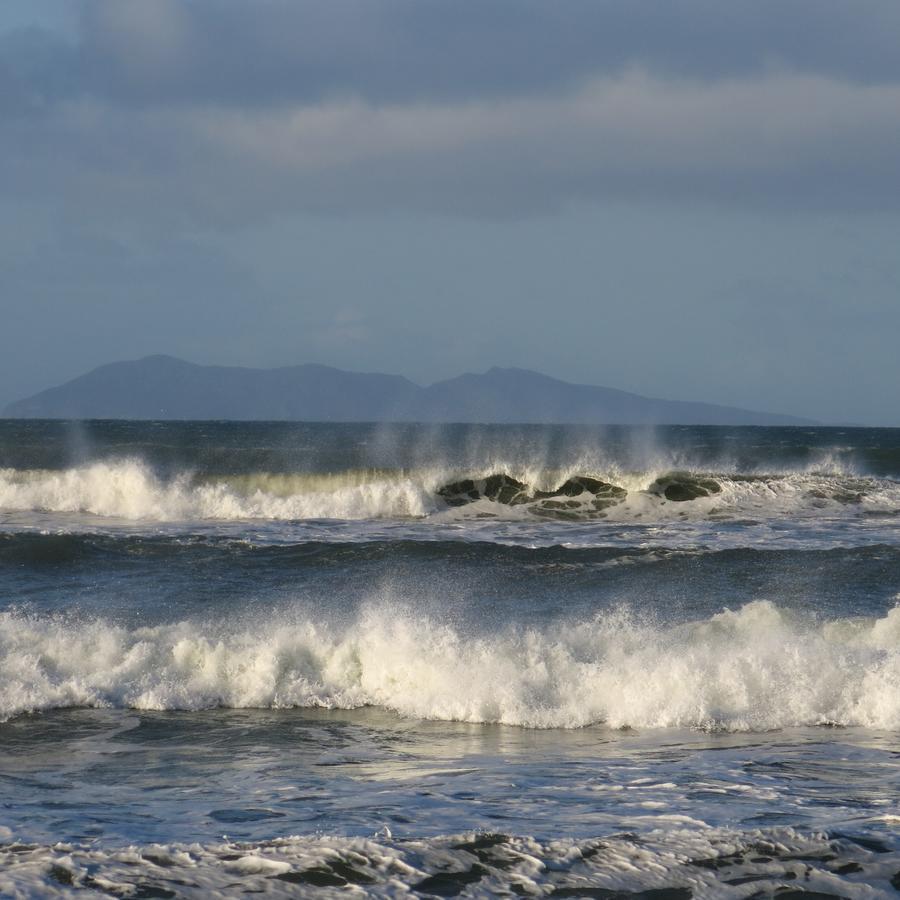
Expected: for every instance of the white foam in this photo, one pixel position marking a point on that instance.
(701, 862)
(753, 668)
(129, 489)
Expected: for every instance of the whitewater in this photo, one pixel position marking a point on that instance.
(130, 489)
(750, 669)
(448, 661)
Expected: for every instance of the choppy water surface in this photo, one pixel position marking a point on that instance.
(457, 661)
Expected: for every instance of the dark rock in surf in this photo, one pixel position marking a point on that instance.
(500, 488)
(681, 493)
(589, 497)
(601, 495)
(503, 489)
(683, 488)
(583, 484)
(597, 487)
(459, 492)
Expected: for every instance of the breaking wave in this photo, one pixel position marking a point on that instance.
(754, 668)
(130, 489)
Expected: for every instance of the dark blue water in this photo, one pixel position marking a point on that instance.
(459, 660)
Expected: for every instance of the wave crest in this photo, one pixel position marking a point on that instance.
(748, 669)
(130, 489)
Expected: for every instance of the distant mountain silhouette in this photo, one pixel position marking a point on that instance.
(162, 387)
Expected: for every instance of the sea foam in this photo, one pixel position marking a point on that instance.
(756, 667)
(681, 860)
(130, 489)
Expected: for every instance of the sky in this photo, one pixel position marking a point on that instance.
(691, 200)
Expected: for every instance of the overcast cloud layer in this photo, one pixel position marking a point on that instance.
(223, 111)
(140, 138)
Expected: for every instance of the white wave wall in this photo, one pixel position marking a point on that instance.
(754, 668)
(129, 489)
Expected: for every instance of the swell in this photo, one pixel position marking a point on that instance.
(130, 489)
(33, 549)
(223, 448)
(158, 579)
(754, 668)
(38, 550)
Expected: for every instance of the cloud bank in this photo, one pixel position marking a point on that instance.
(222, 113)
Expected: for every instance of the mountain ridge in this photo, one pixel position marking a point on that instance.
(166, 387)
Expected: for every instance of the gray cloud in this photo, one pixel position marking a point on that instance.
(778, 140)
(235, 52)
(221, 112)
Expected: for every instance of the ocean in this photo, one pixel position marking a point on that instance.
(349, 660)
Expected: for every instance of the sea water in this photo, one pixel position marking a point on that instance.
(448, 660)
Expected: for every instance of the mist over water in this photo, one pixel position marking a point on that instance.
(371, 645)
(298, 447)
(170, 472)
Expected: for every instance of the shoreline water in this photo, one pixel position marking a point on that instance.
(697, 695)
